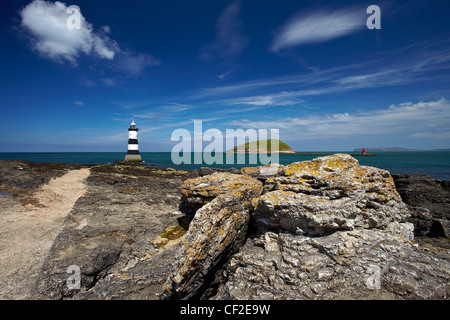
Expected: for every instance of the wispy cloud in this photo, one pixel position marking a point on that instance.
(420, 65)
(228, 72)
(230, 40)
(50, 36)
(280, 99)
(258, 84)
(315, 85)
(133, 64)
(153, 105)
(318, 27)
(421, 119)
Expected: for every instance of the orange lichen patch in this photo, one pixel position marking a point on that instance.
(249, 170)
(129, 190)
(276, 197)
(215, 184)
(255, 203)
(120, 236)
(321, 165)
(125, 275)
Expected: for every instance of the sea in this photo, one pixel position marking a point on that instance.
(435, 163)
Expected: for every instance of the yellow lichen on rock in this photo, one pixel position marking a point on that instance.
(322, 165)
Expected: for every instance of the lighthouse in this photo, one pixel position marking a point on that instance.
(133, 150)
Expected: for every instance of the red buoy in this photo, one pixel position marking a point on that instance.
(364, 151)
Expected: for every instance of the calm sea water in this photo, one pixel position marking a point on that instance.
(435, 164)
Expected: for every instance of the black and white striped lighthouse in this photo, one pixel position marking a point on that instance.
(133, 150)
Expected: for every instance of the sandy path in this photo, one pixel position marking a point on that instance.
(27, 232)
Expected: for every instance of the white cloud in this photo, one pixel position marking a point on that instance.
(47, 24)
(318, 27)
(279, 99)
(229, 41)
(133, 63)
(422, 119)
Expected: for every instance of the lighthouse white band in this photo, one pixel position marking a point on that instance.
(133, 147)
(132, 135)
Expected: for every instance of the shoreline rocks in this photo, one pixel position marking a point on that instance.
(324, 229)
(109, 235)
(328, 228)
(218, 230)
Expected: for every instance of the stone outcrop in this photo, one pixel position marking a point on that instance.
(198, 192)
(327, 194)
(218, 229)
(328, 228)
(357, 264)
(324, 229)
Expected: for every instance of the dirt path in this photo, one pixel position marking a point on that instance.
(28, 231)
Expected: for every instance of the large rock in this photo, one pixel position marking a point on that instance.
(217, 230)
(361, 245)
(335, 176)
(429, 202)
(198, 192)
(329, 193)
(356, 264)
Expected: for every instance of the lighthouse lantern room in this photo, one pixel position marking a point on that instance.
(133, 150)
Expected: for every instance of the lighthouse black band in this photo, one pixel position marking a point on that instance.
(135, 129)
(133, 152)
(132, 141)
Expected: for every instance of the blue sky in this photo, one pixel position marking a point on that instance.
(311, 69)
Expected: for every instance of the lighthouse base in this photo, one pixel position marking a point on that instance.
(133, 157)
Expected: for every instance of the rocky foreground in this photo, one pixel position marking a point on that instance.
(321, 229)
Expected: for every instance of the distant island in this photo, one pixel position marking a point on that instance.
(261, 146)
(395, 149)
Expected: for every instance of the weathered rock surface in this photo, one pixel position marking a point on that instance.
(357, 264)
(429, 203)
(327, 194)
(200, 191)
(332, 229)
(109, 235)
(262, 173)
(204, 171)
(217, 230)
(22, 177)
